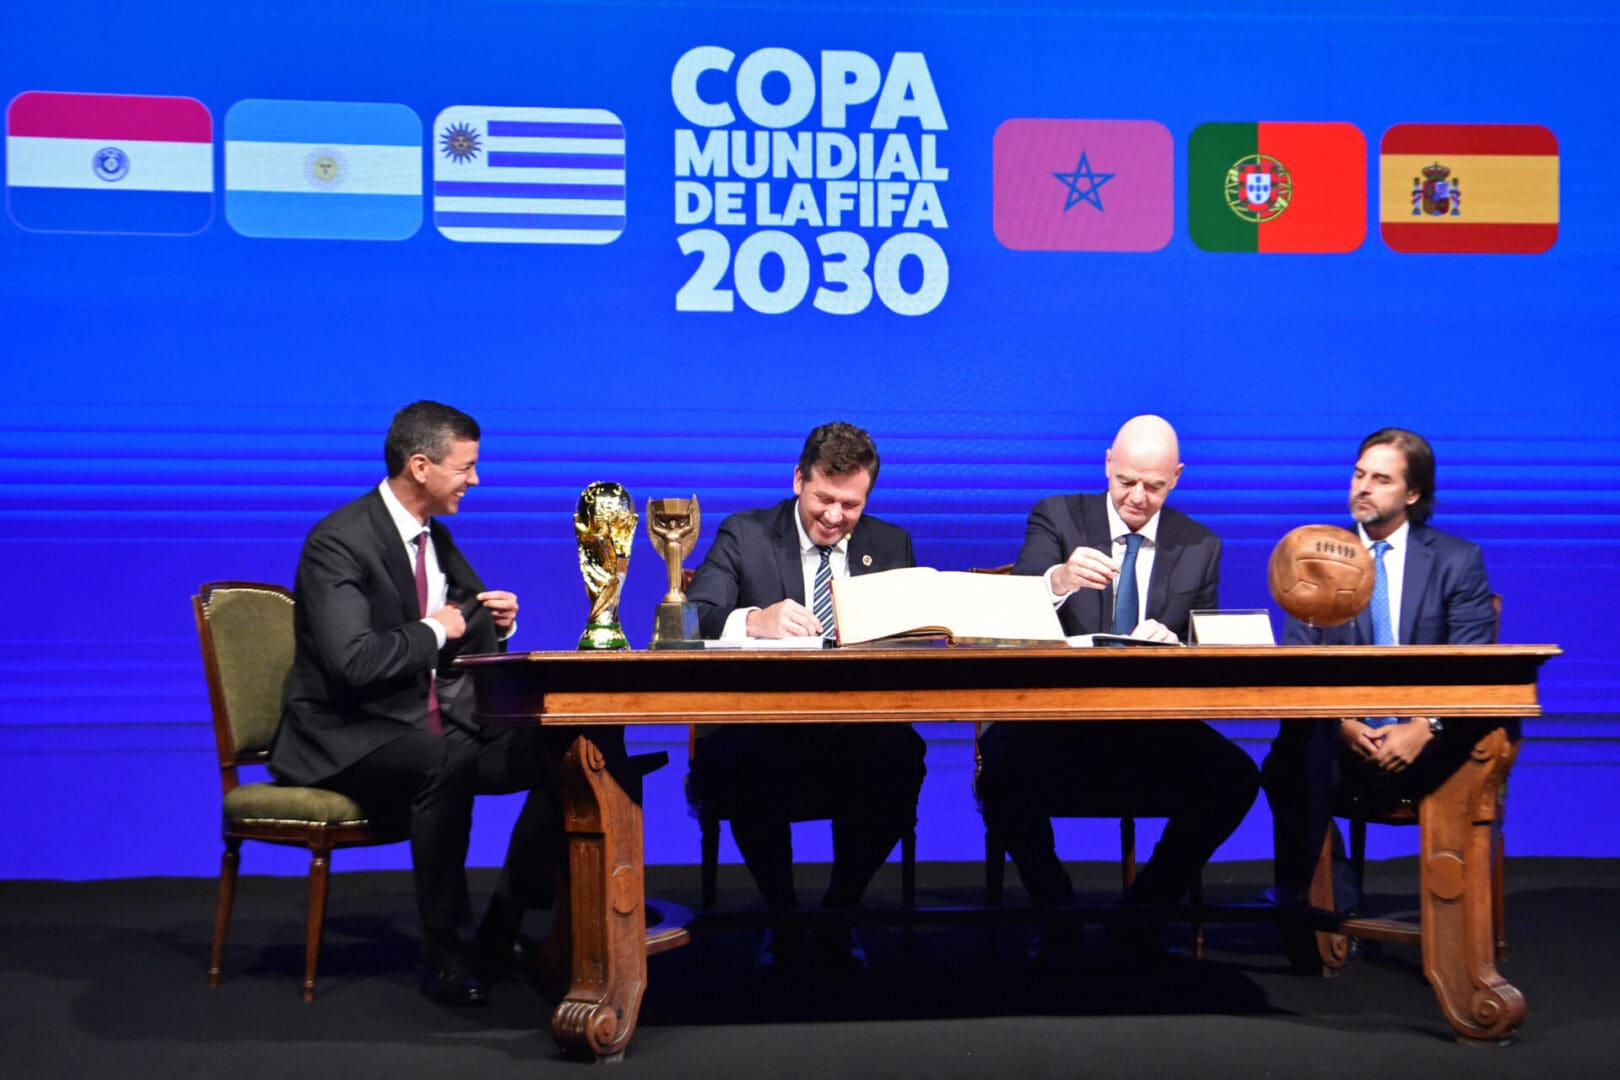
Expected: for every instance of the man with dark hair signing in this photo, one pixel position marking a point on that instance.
(374, 709)
(1121, 562)
(1429, 589)
(767, 575)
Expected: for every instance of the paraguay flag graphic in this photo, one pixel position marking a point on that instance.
(528, 175)
(338, 169)
(109, 163)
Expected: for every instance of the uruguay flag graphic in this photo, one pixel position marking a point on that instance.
(311, 169)
(109, 163)
(528, 175)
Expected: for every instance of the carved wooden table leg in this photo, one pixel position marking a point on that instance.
(605, 905)
(1457, 822)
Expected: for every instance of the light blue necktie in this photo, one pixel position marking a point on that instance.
(822, 602)
(1383, 629)
(1125, 605)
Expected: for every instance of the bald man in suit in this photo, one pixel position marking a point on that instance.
(1119, 561)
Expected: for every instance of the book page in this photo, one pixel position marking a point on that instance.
(967, 607)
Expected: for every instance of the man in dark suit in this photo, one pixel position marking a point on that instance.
(374, 709)
(765, 576)
(1125, 563)
(1431, 590)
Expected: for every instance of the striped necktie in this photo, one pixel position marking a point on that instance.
(822, 602)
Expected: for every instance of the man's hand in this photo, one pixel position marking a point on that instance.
(1153, 630)
(502, 607)
(1085, 568)
(450, 618)
(1363, 741)
(783, 619)
(1401, 744)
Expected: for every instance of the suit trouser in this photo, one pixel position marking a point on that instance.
(1031, 770)
(765, 776)
(1310, 771)
(432, 780)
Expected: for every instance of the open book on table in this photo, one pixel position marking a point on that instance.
(921, 601)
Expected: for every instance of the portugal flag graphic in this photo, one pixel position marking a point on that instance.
(1468, 188)
(1277, 187)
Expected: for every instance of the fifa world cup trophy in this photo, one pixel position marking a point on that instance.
(604, 524)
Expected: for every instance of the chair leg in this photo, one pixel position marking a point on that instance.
(1358, 848)
(1127, 852)
(228, 863)
(709, 870)
(1196, 896)
(995, 869)
(320, 864)
(908, 869)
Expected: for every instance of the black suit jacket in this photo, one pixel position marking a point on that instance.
(755, 561)
(1186, 562)
(1445, 599)
(362, 655)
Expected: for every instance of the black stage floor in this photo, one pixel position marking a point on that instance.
(106, 979)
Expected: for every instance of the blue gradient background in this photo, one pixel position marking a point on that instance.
(182, 409)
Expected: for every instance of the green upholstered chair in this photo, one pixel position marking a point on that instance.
(246, 632)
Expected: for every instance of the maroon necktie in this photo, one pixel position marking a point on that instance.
(434, 724)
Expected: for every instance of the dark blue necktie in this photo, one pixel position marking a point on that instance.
(1125, 604)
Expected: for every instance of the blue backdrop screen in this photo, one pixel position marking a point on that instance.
(656, 243)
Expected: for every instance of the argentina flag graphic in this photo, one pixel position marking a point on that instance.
(341, 170)
(507, 175)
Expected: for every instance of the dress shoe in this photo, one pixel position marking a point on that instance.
(839, 949)
(1141, 938)
(448, 980)
(781, 950)
(1055, 945)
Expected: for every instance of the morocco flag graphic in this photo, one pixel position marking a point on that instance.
(1458, 188)
(1277, 187)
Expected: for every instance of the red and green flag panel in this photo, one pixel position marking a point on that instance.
(1464, 188)
(1277, 187)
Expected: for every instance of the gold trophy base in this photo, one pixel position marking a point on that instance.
(675, 626)
(605, 637)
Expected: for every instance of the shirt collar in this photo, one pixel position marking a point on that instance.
(806, 545)
(409, 528)
(1396, 540)
(1117, 527)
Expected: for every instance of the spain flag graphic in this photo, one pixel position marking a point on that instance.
(1468, 188)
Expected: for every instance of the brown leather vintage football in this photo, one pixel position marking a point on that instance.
(1321, 575)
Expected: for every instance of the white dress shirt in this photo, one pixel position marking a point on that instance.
(1144, 557)
(438, 585)
(810, 561)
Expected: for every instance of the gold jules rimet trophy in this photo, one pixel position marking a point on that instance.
(672, 525)
(604, 525)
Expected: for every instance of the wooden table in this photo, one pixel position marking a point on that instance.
(605, 913)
